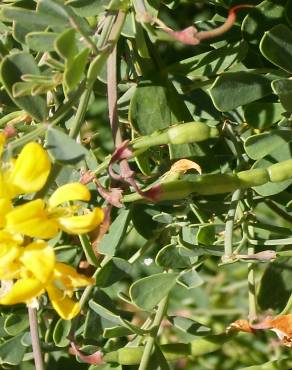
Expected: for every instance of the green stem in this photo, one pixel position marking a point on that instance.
(252, 303)
(84, 34)
(88, 250)
(228, 235)
(139, 6)
(64, 109)
(142, 250)
(197, 213)
(11, 116)
(39, 131)
(88, 289)
(280, 212)
(35, 340)
(80, 114)
(41, 128)
(151, 339)
(288, 307)
(106, 30)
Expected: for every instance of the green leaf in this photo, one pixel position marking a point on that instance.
(22, 29)
(16, 323)
(147, 114)
(211, 63)
(87, 8)
(63, 148)
(114, 270)
(12, 351)
(104, 311)
(189, 326)
(282, 153)
(74, 72)
(283, 88)
(258, 146)
(149, 291)
(142, 215)
(49, 13)
(112, 239)
(66, 46)
(266, 15)
(169, 257)
(12, 68)
(106, 366)
(231, 90)
(283, 364)
(206, 235)
(41, 41)
(288, 11)
(116, 331)
(262, 115)
(190, 279)
(276, 285)
(276, 46)
(20, 89)
(61, 332)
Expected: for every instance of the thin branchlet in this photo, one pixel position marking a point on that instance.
(191, 36)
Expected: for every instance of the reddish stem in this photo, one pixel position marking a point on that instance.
(203, 35)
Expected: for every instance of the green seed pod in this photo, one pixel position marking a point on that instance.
(284, 364)
(179, 134)
(175, 190)
(205, 185)
(216, 184)
(280, 171)
(133, 355)
(125, 356)
(255, 177)
(190, 132)
(171, 351)
(209, 344)
(175, 351)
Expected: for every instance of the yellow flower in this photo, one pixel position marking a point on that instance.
(35, 270)
(36, 219)
(2, 142)
(61, 288)
(32, 266)
(27, 174)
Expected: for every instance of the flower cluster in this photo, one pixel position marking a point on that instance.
(28, 265)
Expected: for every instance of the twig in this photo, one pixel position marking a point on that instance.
(151, 339)
(288, 306)
(228, 235)
(35, 340)
(252, 303)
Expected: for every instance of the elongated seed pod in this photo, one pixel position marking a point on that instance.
(171, 351)
(280, 171)
(216, 183)
(254, 177)
(284, 364)
(179, 134)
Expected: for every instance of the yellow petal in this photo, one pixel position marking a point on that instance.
(65, 193)
(9, 265)
(31, 219)
(2, 142)
(22, 291)
(8, 238)
(5, 207)
(31, 170)
(66, 307)
(39, 258)
(81, 224)
(70, 278)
